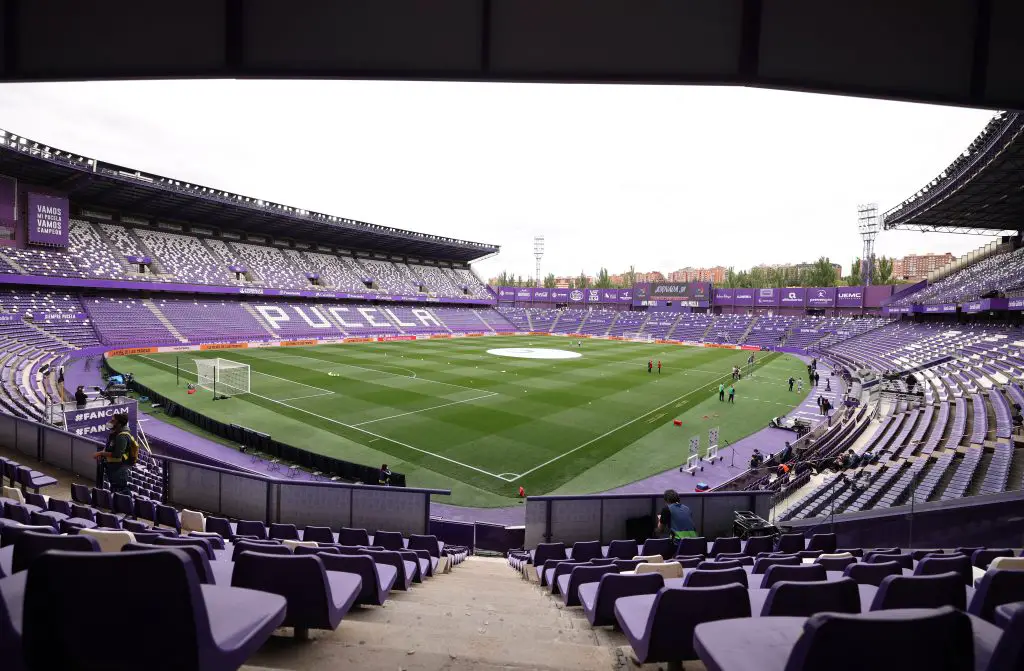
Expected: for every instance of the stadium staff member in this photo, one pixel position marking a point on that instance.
(80, 398)
(675, 518)
(384, 479)
(115, 455)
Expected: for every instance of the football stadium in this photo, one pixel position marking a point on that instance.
(276, 438)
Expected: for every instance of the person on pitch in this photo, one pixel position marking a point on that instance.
(721, 392)
(650, 365)
(659, 366)
(732, 393)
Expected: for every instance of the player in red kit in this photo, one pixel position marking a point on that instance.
(659, 366)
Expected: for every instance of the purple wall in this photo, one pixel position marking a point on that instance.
(875, 296)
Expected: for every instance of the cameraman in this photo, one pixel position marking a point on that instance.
(80, 398)
(115, 454)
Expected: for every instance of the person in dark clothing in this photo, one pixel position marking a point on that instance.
(828, 384)
(787, 453)
(816, 377)
(384, 479)
(650, 366)
(659, 366)
(791, 382)
(675, 518)
(732, 393)
(116, 454)
(756, 459)
(80, 398)
(721, 392)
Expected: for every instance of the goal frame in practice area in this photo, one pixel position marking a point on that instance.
(637, 336)
(223, 377)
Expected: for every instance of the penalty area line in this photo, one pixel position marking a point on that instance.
(356, 428)
(433, 407)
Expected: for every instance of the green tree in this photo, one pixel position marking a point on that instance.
(504, 279)
(581, 281)
(881, 271)
(821, 274)
(519, 282)
(603, 281)
(549, 281)
(629, 277)
(854, 278)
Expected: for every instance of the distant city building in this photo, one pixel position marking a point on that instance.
(916, 267)
(716, 275)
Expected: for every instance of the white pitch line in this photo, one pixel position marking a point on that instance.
(610, 432)
(372, 370)
(355, 428)
(295, 398)
(433, 407)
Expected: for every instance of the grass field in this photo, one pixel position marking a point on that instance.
(449, 414)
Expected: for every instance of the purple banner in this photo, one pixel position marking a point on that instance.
(95, 422)
(625, 295)
(725, 296)
(560, 295)
(941, 308)
(1015, 304)
(41, 280)
(850, 297)
(792, 297)
(9, 318)
(592, 295)
(59, 316)
(47, 220)
(744, 297)
(876, 295)
(145, 260)
(576, 296)
(609, 295)
(524, 294)
(901, 310)
(821, 297)
(8, 199)
(767, 296)
(238, 269)
(506, 293)
(541, 294)
(312, 276)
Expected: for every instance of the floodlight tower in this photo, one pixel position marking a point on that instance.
(868, 223)
(538, 253)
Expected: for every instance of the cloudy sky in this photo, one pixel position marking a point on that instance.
(655, 177)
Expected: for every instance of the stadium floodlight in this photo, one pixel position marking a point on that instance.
(868, 223)
(538, 254)
(222, 377)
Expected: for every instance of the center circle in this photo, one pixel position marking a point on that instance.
(534, 353)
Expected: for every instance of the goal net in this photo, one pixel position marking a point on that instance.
(223, 377)
(642, 337)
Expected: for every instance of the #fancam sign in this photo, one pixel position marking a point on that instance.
(94, 422)
(47, 220)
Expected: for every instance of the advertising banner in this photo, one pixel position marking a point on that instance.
(941, 308)
(985, 305)
(9, 318)
(541, 294)
(725, 296)
(592, 295)
(139, 259)
(576, 296)
(94, 422)
(876, 295)
(744, 297)
(238, 269)
(609, 296)
(524, 294)
(896, 310)
(625, 295)
(506, 293)
(849, 297)
(767, 296)
(674, 291)
(792, 297)
(59, 316)
(560, 295)
(1015, 304)
(47, 220)
(821, 297)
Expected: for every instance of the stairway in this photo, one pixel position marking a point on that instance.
(529, 319)
(13, 264)
(743, 338)
(260, 320)
(481, 616)
(704, 335)
(554, 323)
(483, 321)
(148, 302)
(54, 336)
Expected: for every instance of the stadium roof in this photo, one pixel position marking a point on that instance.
(965, 52)
(92, 183)
(981, 192)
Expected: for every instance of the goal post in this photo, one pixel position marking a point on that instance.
(637, 336)
(223, 377)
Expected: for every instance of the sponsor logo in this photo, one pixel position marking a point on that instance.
(821, 293)
(765, 293)
(576, 295)
(439, 336)
(359, 340)
(224, 345)
(251, 290)
(131, 351)
(178, 348)
(474, 335)
(850, 294)
(298, 343)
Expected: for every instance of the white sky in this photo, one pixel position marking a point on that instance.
(656, 177)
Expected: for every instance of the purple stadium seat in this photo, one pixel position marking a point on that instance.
(719, 565)
(905, 560)
(982, 558)
(995, 589)
(803, 599)
(308, 550)
(703, 578)
(389, 540)
(318, 534)
(725, 544)
(798, 573)
(284, 531)
(692, 546)
(251, 528)
(200, 562)
(758, 544)
(835, 563)
(377, 579)
(956, 563)
(598, 598)
(923, 591)
(552, 570)
(317, 599)
(763, 564)
(624, 549)
(823, 543)
(405, 570)
(180, 541)
(659, 546)
(425, 542)
(220, 526)
(348, 536)
(659, 627)
(791, 543)
(267, 547)
(10, 534)
(31, 544)
(873, 573)
(176, 605)
(568, 584)
(585, 550)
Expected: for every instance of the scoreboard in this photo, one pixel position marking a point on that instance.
(673, 291)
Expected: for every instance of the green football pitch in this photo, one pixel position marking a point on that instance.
(450, 414)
